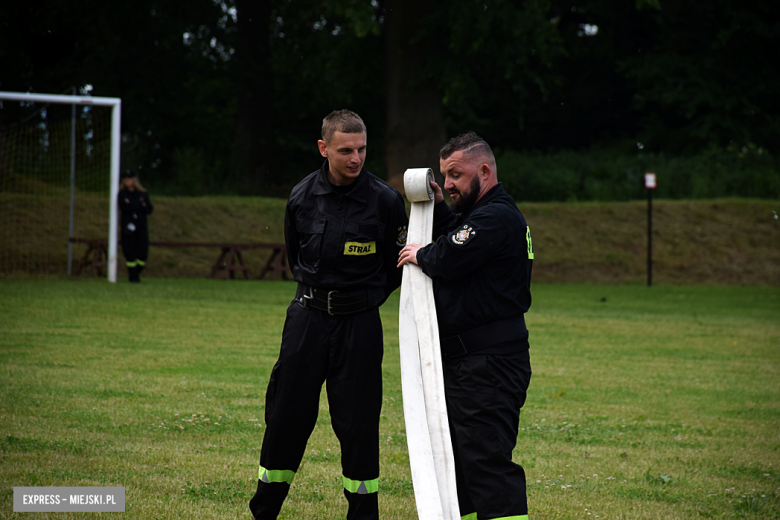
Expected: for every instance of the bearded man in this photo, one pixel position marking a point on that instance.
(480, 262)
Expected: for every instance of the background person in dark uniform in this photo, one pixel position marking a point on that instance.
(134, 205)
(480, 263)
(344, 228)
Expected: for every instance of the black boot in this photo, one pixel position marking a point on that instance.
(268, 500)
(133, 275)
(362, 506)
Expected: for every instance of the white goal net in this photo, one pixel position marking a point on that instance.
(56, 188)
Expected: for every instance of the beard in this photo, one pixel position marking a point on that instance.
(467, 199)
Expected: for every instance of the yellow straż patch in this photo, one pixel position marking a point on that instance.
(360, 248)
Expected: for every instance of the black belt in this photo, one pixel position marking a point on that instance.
(336, 302)
(484, 336)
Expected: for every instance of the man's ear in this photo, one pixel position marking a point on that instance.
(484, 170)
(323, 148)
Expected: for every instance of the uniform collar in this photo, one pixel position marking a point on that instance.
(493, 193)
(359, 191)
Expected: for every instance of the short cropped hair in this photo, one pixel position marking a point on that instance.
(345, 121)
(470, 143)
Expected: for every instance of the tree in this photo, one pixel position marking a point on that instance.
(676, 76)
(709, 75)
(254, 136)
(325, 57)
(228, 96)
(414, 113)
(587, 98)
(458, 66)
(161, 58)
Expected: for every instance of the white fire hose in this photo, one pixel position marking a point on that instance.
(425, 409)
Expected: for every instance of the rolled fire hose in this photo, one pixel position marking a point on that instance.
(422, 381)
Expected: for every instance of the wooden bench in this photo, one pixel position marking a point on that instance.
(95, 258)
(231, 260)
(228, 263)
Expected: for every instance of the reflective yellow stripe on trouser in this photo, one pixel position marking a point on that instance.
(270, 476)
(140, 263)
(361, 487)
(473, 516)
(131, 264)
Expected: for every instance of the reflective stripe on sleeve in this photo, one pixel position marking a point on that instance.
(275, 475)
(530, 257)
(473, 516)
(361, 487)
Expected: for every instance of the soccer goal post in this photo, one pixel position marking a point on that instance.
(113, 173)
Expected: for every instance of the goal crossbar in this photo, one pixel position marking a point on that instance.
(116, 114)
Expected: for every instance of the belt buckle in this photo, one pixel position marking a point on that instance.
(330, 309)
(462, 344)
(306, 297)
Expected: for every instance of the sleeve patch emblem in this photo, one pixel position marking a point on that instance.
(402, 234)
(462, 236)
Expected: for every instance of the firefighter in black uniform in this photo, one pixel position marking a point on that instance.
(344, 228)
(134, 204)
(480, 263)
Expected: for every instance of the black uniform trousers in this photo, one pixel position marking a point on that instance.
(135, 247)
(484, 395)
(346, 351)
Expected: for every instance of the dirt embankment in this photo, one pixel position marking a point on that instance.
(723, 242)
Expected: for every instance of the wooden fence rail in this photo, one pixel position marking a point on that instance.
(229, 262)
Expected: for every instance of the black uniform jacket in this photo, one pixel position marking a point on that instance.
(349, 241)
(134, 206)
(480, 263)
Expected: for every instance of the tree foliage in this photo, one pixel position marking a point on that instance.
(228, 96)
(709, 75)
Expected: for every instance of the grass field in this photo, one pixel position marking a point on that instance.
(645, 403)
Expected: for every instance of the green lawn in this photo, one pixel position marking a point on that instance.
(645, 403)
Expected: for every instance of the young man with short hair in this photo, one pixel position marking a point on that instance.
(344, 228)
